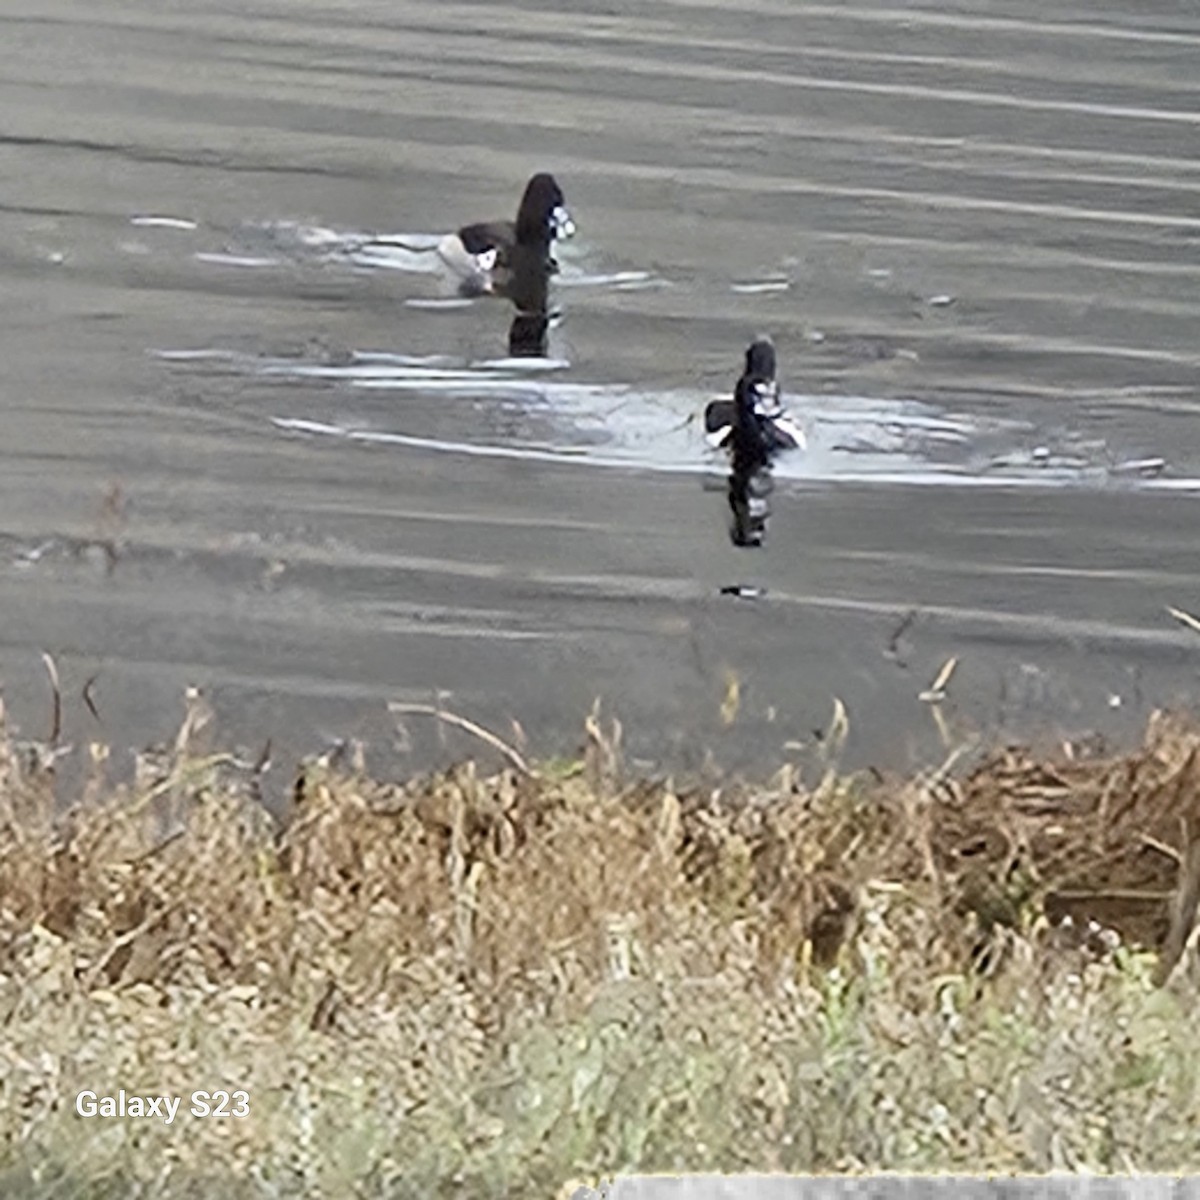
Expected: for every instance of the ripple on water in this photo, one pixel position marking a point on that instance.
(851, 438)
(234, 260)
(760, 287)
(416, 253)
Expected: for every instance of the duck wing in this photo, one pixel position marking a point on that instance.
(719, 414)
(488, 235)
(719, 417)
(782, 432)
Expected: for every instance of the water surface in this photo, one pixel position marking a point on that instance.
(252, 442)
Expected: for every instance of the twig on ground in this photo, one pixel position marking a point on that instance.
(1184, 618)
(89, 700)
(1162, 847)
(56, 712)
(400, 708)
(936, 693)
(893, 646)
(141, 927)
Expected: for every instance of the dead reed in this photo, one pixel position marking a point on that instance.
(485, 983)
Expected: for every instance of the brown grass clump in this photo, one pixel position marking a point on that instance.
(1112, 840)
(486, 984)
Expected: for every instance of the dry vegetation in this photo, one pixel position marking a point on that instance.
(485, 985)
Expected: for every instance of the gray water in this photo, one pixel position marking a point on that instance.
(251, 443)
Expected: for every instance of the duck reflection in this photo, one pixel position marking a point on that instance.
(528, 335)
(753, 427)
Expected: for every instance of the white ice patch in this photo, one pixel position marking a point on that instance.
(847, 438)
(235, 260)
(298, 425)
(411, 252)
(753, 288)
(575, 278)
(163, 222)
(206, 355)
(437, 303)
(522, 364)
(414, 253)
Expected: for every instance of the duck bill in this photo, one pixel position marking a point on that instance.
(561, 224)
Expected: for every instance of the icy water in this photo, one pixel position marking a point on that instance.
(251, 441)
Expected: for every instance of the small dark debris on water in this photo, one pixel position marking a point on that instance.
(894, 651)
(30, 557)
(89, 699)
(743, 591)
(105, 549)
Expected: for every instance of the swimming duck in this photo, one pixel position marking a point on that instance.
(753, 427)
(754, 423)
(512, 258)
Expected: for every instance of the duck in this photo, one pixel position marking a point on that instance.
(754, 425)
(512, 258)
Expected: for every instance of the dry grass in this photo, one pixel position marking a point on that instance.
(483, 986)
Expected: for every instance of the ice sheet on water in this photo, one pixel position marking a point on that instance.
(850, 438)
